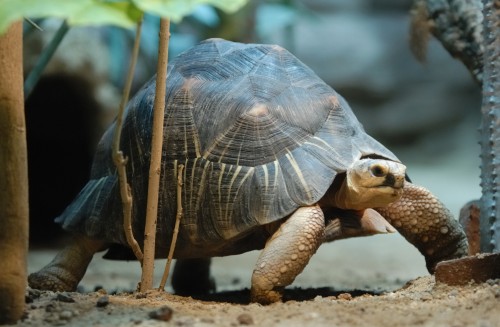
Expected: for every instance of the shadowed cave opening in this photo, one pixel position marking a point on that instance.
(61, 117)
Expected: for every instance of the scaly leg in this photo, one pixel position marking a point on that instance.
(427, 224)
(66, 270)
(286, 254)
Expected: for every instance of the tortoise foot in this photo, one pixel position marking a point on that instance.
(266, 296)
(50, 281)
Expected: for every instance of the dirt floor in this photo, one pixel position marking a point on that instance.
(375, 281)
(420, 303)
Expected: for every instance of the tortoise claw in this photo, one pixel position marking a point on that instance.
(373, 223)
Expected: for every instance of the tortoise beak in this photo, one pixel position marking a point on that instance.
(395, 181)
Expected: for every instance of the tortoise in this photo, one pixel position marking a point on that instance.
(274, 159)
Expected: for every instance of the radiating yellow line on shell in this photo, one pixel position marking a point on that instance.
(297, 170)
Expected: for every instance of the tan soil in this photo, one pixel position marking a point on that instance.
(420, 303)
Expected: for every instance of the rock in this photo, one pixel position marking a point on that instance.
(66, 315)
(345, 296)
(478, 268)
(469, 219)
(141, 295)
(31, 294)
(102, 302)
(245, 319)
(50, 307)
(163, 313)
(64, 297)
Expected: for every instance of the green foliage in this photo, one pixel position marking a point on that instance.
(177, 9)
(123, 13)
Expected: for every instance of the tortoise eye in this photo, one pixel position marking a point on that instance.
(378, 171)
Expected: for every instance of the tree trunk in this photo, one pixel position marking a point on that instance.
(13, 178)
(490, 130)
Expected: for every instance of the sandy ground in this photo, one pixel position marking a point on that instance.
(376, 281)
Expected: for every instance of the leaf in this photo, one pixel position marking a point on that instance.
(122, 12)
(13, 10)
(177, 9)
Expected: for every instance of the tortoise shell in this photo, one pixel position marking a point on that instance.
(259, 134)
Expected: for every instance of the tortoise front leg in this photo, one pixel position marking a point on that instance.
(427, 224)
(286, 254)
(66, 270)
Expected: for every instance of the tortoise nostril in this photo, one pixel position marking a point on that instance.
(378, 171)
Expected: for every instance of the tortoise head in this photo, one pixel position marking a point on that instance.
(371, 183)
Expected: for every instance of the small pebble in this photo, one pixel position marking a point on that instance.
(245, 319)
(493, 282)
(426, 296)
(345, 296)
(102, 302)
(50, 307)
(163, 313)
(65, 315)
(141, 296)
(31, 295)
(36, 293)
(63, 297)
(28, 299)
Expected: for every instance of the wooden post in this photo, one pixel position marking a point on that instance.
(13, 178)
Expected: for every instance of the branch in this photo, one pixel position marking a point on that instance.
(119, 160)
(155, 165)
(457, 24)
(178, 218)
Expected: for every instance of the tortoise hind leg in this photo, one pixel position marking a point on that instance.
(192, 277)
(427, 224)
(286, 254)
(66, 270)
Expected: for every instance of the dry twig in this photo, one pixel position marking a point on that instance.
(119, 160)
(155, 165)
(178, 218)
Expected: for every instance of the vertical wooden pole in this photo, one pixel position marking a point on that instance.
(156, 151)
(13, 178)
